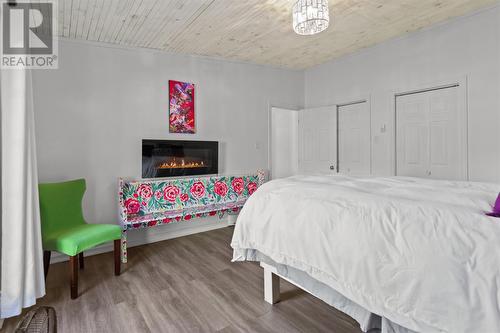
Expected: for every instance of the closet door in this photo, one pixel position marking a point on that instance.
(354, 143)
(447, 137)
(431, 135)
(318, 140)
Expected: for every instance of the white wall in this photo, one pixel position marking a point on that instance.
(92, 113)
(467, 46)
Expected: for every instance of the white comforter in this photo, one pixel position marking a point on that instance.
(420, 253)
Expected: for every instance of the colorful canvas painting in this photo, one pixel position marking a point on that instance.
(181, 116)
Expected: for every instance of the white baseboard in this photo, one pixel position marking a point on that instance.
(231, 219)
(156, 234)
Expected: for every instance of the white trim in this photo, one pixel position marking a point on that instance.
(269, 144)
(231, 219)
(156, 237)
(406, 88)
(270, 136)
(170, 53)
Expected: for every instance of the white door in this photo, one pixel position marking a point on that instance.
(284, 142)
(412, 137)
(431, 139)
(354, 155)
(318, 140)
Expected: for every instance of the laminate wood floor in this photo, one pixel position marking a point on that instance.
(187, 284)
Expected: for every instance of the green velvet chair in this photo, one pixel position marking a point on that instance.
(64, 228)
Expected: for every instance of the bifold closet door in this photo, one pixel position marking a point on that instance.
(318, 140)
(284, 142)
(354, 139)
(431, 135)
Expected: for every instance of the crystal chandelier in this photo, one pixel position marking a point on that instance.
(310, 16)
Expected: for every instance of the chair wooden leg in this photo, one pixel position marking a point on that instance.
(80, 260)
(46, 262)
(73, 266)
(117, 244)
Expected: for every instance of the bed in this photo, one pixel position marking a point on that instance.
(398, 253)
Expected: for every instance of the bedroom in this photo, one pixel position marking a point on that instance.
(387, 115)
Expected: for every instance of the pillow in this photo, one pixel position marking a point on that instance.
(496, 208)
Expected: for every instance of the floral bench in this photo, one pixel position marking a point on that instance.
(148, 203)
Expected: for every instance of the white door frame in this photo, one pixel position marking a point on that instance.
(269, 136)
(461, 83)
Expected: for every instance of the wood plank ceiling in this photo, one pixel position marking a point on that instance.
(257, 31)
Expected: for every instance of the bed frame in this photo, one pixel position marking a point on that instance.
(272, 291)
(271, 283)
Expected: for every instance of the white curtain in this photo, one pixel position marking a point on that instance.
(22, 278)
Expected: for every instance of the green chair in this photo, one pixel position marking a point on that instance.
(64, 229)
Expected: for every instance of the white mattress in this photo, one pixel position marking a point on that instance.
(419, 253)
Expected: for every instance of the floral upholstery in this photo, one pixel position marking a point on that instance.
(153, 202)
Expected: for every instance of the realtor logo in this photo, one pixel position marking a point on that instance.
(29, 34)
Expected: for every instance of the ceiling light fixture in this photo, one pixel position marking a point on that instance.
(310, 16)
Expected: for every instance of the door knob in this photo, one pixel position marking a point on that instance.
(332, 167)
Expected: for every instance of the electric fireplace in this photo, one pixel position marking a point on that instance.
(170, 158)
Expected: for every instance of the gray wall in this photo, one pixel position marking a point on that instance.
(92, 113)
(467, 46)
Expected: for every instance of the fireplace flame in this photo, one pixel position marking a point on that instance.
(180, 165)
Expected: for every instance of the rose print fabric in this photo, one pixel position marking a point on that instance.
(152, 202)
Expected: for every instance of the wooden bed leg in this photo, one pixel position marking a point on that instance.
(271, 286)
